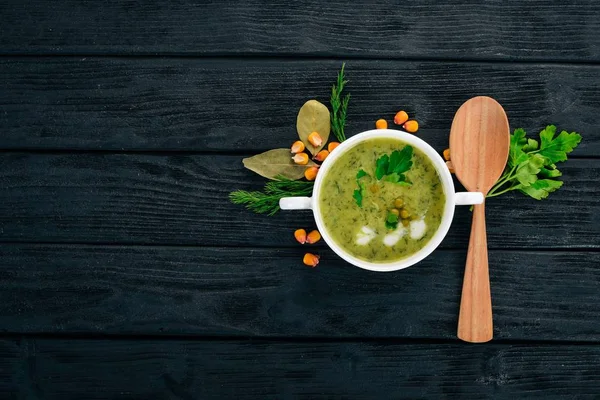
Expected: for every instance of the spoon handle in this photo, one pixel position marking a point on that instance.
(475, 318)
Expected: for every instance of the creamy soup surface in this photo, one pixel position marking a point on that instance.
(368, 231)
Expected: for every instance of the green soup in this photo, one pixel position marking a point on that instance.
(368, 231)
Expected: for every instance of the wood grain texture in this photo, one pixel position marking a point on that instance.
(479, 144)
(130, 290)
(105, 369)
(183, 200)
(508, 30)
(250, 105)
(475, 322)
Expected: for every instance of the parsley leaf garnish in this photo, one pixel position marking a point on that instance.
(358, 196)
(532, 164)
(391, 221)
(392, 168)
(555, 149)
(358, 193)
(360, 174)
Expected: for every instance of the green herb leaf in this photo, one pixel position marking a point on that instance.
(516, 154)
(382, 165)
(361, 173)
(277, 162)
(394, 177)
(549, 172)
(391, 221)
(339, 106)
(358, 196)
(392, 168)
(400, 179)
(531, 145)
(358, 193)
(555, 149)
(527, 171)
(542, 188)
(401, 161)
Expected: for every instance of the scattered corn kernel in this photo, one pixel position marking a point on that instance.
(405, 222)
(298, 147)
(450, 166)
(301, 158)
(411, 126)
(374, 188)
(311, 260)
(395, 211)
(400, 117)
(398, 203)
(332, 146)
(315, 139)
(321, 156)
(381, 124)
(300, 235)
(404, 214)
(313, 237)
(311, 173)
(447, 154)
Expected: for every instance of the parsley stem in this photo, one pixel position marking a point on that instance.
(506, 177)
(512, 187)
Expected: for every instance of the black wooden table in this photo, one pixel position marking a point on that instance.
(126, 273)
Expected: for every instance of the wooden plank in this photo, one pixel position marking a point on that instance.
(269, 293)
(251, 105)
(183, 200)
(150, 369)
(510, 30)
(11, 362)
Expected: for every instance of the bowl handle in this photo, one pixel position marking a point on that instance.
(467, 198)
(295, 203)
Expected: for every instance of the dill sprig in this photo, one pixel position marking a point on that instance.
(339, 106)
(267, 201)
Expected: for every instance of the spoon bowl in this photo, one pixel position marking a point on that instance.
(479, 146)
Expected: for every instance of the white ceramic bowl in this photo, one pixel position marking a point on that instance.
(452, 199)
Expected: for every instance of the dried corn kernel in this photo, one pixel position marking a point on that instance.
(311, 260)
(398, 203)
(301, 158)
(311, 173)
(315, 139)
(447, 154)
(298, 147)
(411, 126)
(381, 124)
(374, 188)
(450, 166)
(395, 211)
(332, 146)
(404, 214)
(313, 237)
(405, 222)
(400, 117)
(321, 156)
(300, 235)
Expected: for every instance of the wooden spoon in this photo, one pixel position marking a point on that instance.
(479, 145)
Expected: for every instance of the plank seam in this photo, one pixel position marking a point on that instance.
(306, 57)
(188, 246)
(278, 339)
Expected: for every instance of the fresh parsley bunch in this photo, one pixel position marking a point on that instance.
(531, 166)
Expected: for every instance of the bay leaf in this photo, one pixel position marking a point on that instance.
(276, 162)
(313, 117)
